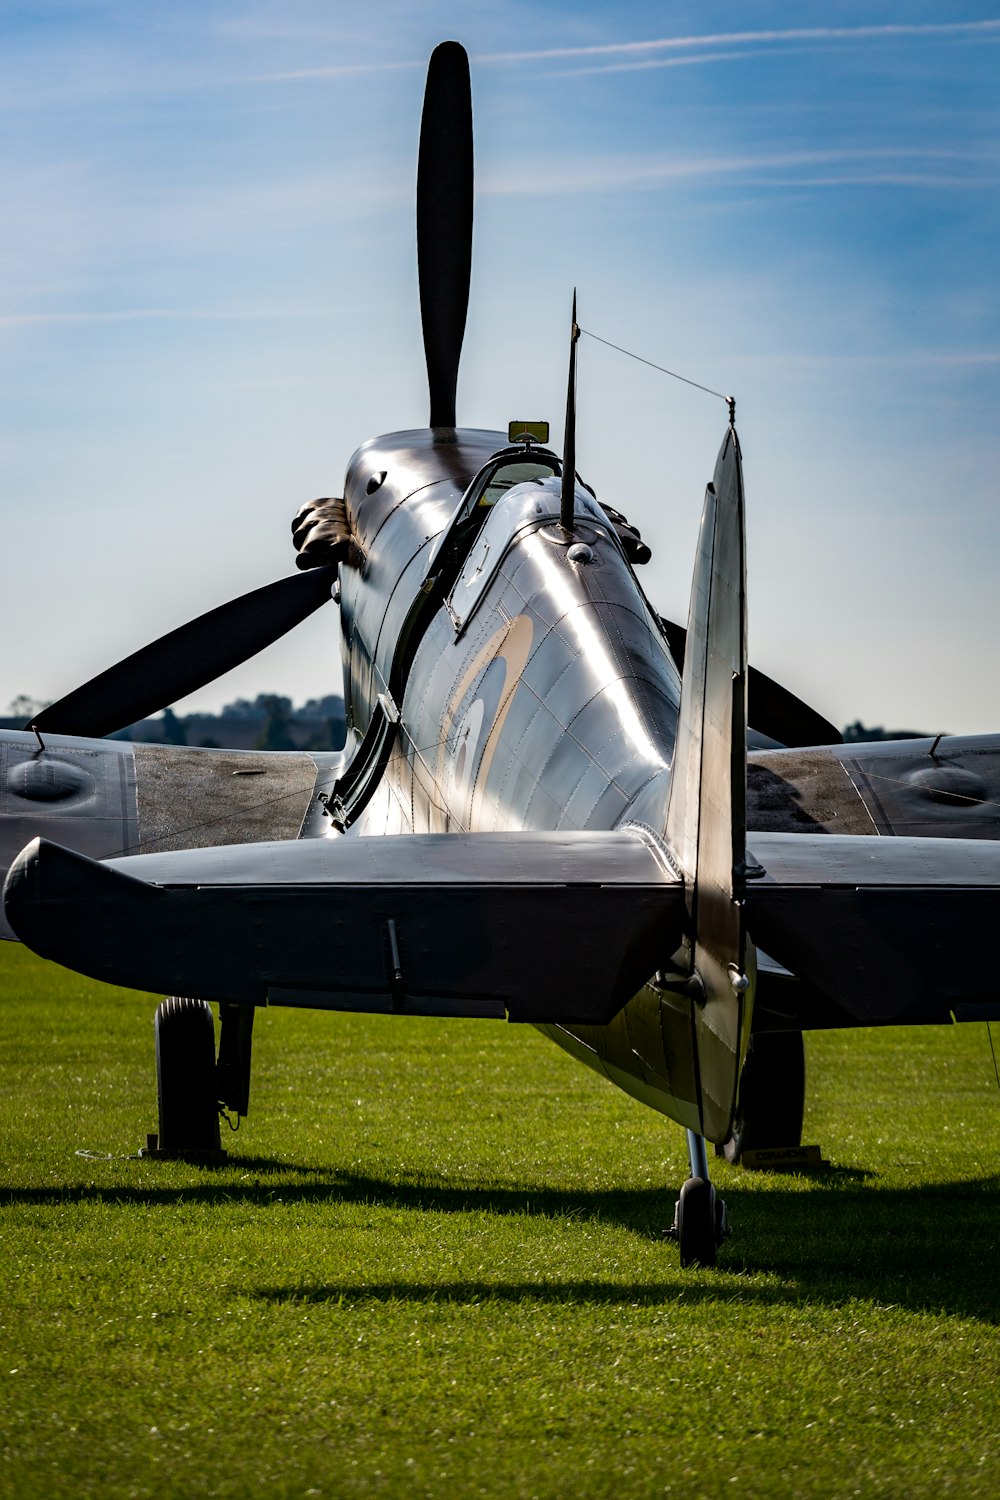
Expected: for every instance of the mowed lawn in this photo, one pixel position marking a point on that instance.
(433, 1266)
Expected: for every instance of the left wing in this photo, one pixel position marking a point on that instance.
(103, 797)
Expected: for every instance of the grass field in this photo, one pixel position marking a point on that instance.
(432, 1266)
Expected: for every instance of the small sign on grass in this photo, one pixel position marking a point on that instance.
(783, 1159)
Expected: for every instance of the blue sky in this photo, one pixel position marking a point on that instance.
(208, 299)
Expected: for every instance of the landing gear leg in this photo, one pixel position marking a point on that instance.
(700, 1219)
(235, 1044)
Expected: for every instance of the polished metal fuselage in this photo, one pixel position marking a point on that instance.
(542, 693)
(541, 696)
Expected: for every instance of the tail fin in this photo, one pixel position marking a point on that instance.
(706, 810)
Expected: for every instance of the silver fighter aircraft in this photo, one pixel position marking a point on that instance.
(553, 806)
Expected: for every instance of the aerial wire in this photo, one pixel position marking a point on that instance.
(662, 368)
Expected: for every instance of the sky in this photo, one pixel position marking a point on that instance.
(208, 300)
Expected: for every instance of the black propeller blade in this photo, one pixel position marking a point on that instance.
(771, 709)
(186, 658)
(444, 222)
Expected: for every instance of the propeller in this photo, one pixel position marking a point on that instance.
(444, 222)
(771, 709)
(187, 658)
(202, 650)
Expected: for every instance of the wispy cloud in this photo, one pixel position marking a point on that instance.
(338, 70)
(617, 173)
(690, 60)
(641, 54)
(164, 314)
(937, 29)
(883, 179)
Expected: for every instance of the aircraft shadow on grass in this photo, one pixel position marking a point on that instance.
(926, 1248)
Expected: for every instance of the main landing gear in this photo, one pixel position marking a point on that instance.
(186, 1095)
(700, 1219)
(772, 1095)
(192, 1089)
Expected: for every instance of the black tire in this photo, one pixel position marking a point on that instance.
(772, 1095)
(186, 1090)
(696, 1223)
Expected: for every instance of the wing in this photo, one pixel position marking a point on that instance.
(107, 797)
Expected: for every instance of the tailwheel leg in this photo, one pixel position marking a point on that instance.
(700, 1219)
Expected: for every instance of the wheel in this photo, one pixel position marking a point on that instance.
(696, 1223)
(185, 1077)
(772, 1095)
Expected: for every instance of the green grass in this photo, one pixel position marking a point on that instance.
(433, 1266)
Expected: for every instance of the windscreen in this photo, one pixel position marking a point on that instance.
(518, 471)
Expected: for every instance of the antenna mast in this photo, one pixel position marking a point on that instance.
(569, 444)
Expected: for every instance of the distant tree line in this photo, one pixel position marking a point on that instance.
(858, 733)
(268, 722)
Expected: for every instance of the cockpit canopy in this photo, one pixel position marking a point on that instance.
(505, 469)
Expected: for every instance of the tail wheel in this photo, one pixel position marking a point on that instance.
(772, 1095)
(186, 1089)
(699, 1223)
